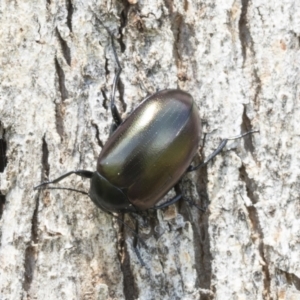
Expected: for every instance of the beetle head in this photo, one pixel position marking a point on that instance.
(107, 196)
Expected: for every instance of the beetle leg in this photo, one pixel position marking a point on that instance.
(169, 202)
(172, 200)
(134, 231)
(82, 173)
(137, 238)
(177, 198)
(193, 203)
(218, 150)
(113, 127)
(135, 244)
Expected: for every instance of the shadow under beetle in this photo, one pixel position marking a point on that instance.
(147, 154)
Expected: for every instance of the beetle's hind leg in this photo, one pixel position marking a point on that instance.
(177, 198)
(218, 150)
(172, 200)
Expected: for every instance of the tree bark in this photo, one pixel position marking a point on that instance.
(240, 60)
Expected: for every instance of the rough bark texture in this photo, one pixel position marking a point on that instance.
(239, 59)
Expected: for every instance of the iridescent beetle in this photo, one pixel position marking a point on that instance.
(146, 154)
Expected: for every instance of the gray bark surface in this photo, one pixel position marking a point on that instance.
(240, 60)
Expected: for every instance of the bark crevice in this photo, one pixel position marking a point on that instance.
(3, 157)
(244, 32)
(66, 51)
(45, 163)
(105, 99)
(31, 249)
(256, 228)
(64, 95)
(3, 164)
(246, 41)
(289, 278)
(245, 127)
(129, 287)
(100, 143)
(123, 21)
(2, 206)
(70, 10)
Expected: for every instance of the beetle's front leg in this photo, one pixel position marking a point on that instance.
(113, 127)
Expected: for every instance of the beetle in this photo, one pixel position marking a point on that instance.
(146, 154)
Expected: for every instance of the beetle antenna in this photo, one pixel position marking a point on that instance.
(61, 188)
(82, 173)
(87, 194)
